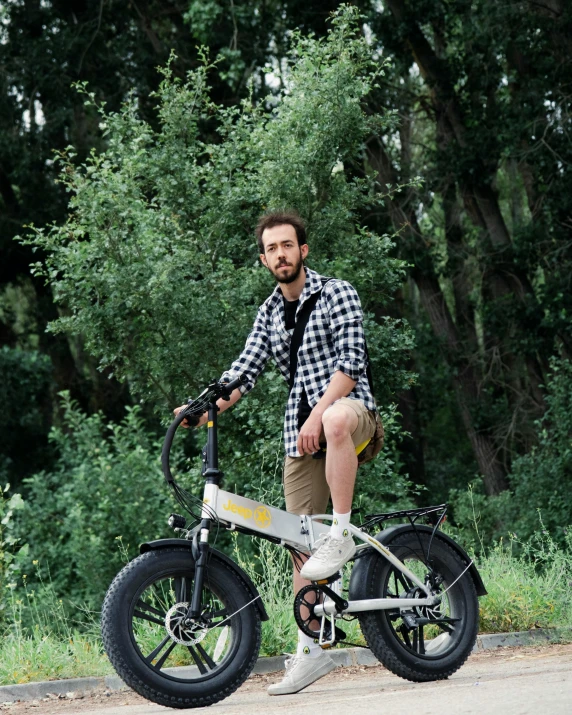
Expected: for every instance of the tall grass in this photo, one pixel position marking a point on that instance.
(528, 584)
(528, 587)
(41, 641)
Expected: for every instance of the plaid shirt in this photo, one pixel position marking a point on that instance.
(333, 340)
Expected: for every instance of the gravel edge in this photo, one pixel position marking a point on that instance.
(342, 657)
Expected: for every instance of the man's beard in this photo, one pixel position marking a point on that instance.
(289, 277)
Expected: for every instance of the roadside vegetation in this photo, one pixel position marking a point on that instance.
(421, 142)
(45, 637)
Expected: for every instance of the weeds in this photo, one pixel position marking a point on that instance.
(528, 590)
(528, 587)
(42, 641)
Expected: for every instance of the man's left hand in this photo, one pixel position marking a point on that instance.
(309, 435)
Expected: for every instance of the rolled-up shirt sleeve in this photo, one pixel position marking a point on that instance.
(253, 358)
(346, 322)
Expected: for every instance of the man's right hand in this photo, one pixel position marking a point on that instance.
(185, 424)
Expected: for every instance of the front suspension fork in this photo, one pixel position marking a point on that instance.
(201, 555)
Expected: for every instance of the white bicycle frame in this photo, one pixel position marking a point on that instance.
(301, 533)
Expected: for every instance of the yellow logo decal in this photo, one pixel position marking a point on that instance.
(262, 517)
(261, 514)
(235, 509)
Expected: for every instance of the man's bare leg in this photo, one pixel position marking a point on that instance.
(339, 423)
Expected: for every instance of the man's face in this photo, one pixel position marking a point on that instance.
(282, 255)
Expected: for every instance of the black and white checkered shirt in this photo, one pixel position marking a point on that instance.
(333, 340)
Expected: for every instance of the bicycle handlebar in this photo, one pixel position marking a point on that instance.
(192, 413)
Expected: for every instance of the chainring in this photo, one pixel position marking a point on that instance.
(301, 600)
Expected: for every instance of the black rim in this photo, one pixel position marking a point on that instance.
(431, 633)
(156, 647)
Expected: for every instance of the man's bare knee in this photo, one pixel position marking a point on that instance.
(339, 422)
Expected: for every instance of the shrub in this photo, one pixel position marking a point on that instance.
(104, 492)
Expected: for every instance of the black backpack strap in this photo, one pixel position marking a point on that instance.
(368, 370)
(299, 328)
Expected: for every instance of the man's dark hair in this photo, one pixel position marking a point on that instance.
(280, 218)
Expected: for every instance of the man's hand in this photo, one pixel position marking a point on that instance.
(185, 424)
(309, 435)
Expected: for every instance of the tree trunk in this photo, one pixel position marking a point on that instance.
(465, 380)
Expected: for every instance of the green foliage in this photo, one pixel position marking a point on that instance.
(103, 494)
(13, 553)
(42, 641)
(24, 410)
(540, 480)
(156, 261)
(542, 477)
(528, 590)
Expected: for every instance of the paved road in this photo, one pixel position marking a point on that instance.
(514, 681)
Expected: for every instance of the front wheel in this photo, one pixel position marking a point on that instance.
(160, 657)
(421, 643)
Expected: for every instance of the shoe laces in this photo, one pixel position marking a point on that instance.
(325, 546)
(290, 663)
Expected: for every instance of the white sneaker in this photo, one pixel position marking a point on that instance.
(301, 671)
(329, 557)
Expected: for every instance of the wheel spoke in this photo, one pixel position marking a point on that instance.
(206, 657)
(148, 617)
(200, 665)
(405, 634)
(421, 641)
(182, 589)
(210, 664)
(146, 607)
(158, 649)
(159, 664)
(217, 614)
(447, 629)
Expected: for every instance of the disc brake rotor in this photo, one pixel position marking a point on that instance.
(178, 631)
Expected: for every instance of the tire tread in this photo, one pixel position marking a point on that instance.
(134, 681)
(386, 655)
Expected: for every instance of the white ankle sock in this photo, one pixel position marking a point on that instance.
(307, 647)
(340, 524)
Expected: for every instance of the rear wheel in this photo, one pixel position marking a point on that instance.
(422, 643)
(156, 653)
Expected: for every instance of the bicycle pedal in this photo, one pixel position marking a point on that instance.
(331, 579)
(339, 636)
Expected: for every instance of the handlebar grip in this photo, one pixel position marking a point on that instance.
(230, 387)
(193, 420)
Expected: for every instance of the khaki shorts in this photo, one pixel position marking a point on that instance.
(305, 486)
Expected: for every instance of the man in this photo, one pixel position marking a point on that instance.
(330, 401)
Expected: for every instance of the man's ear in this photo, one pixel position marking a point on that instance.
(304, 250)
(263, 260)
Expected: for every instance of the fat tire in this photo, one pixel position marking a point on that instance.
(379, 635)
(127, 661)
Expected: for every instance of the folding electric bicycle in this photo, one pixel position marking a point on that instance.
(181, 623)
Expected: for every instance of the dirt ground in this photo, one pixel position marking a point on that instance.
(104, 699)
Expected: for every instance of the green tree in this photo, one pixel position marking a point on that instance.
(158, 271)
(481, 90)
(156, 260)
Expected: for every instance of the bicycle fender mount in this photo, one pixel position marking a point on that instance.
(213, 554)
(359, 575)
